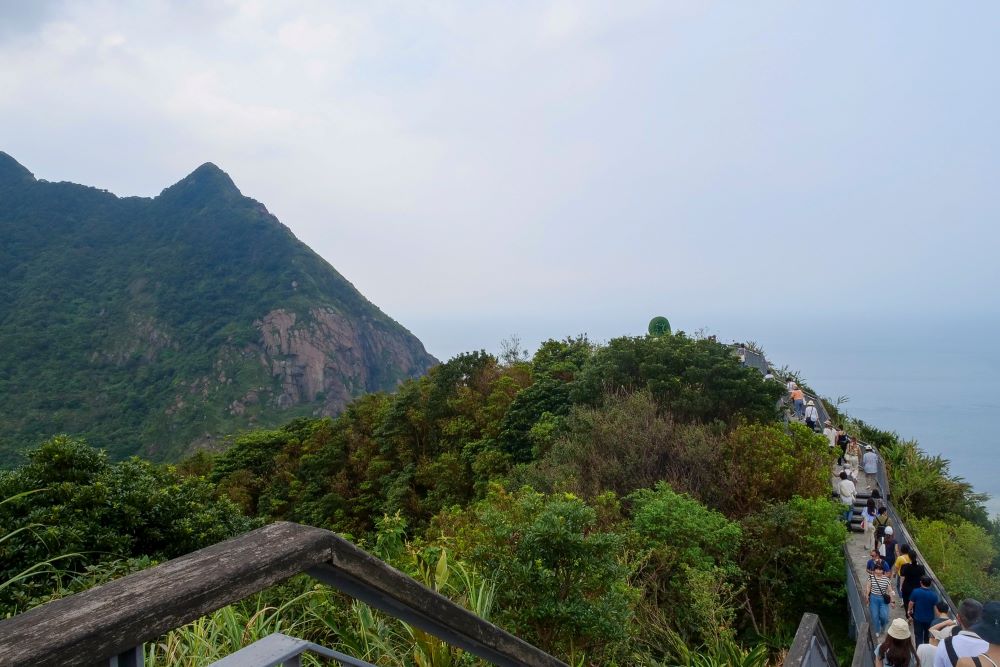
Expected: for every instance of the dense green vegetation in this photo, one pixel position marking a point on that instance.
(136, 322)
(635, 503)
(623, 502)
(945, 515)
(69, 508)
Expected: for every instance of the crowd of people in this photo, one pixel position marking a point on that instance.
(972, 639)
(928, 636)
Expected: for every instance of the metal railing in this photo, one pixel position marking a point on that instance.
(752, 358)
(903, 536)
(811, 646)
(860, 628)
(108, 624)
(278, 649)
(864, 649)
(811, 643)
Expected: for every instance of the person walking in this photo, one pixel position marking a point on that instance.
(927, 653)
(881, 523)
(879, 595)
(910, 575)
(988, 628)
(889, 545)
(921, 609)
(869, 460)
(847, 491)
(897, 566)
(869, 514)
(830, 433)
(965, 643)
(853, 456)
(874, 561)
(897, 650)
(842, 442)
(812, 414)
(798, 402)
(943, 621)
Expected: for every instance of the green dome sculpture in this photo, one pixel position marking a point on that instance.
(659, 326)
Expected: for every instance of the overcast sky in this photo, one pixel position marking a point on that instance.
(547, 168)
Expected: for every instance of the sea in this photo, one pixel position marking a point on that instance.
(941, 388)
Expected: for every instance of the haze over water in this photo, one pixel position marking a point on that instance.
(944, 392)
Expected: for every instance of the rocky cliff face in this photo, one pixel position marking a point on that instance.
(327, 358)
(157, 325)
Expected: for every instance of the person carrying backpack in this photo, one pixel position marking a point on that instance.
(812, 415)
(963, 643)
(988, 628)
(881, 522)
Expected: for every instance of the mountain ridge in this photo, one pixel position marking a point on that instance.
(197, 309)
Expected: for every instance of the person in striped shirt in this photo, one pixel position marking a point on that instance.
(879, 595)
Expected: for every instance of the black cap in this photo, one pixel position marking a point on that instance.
(988, 626)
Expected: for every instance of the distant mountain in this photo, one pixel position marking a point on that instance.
(153, 326)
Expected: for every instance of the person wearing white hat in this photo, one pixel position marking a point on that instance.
(889, 545)
(830, 433)
(869, 460)
(812, 414)
(897, 649)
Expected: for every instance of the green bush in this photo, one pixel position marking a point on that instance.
(561, 581)
(87, 510)
(961, 554)
(793, 557)
(689, 575)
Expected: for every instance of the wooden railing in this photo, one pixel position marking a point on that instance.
(110, 623)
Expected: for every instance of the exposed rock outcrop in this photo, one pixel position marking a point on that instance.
(328, 357)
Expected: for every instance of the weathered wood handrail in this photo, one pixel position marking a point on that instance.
(111, 619)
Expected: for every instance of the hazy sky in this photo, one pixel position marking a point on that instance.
(546, 168)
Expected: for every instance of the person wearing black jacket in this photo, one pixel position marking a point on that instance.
(911, 573)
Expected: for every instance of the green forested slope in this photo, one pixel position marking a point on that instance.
(617, 504)
(147, 325)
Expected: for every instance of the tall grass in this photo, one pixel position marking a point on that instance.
(50, 567)
(229, 629)
(321, 615)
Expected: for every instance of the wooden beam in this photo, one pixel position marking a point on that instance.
(107, 620)
(377, 584)
(84, 628)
